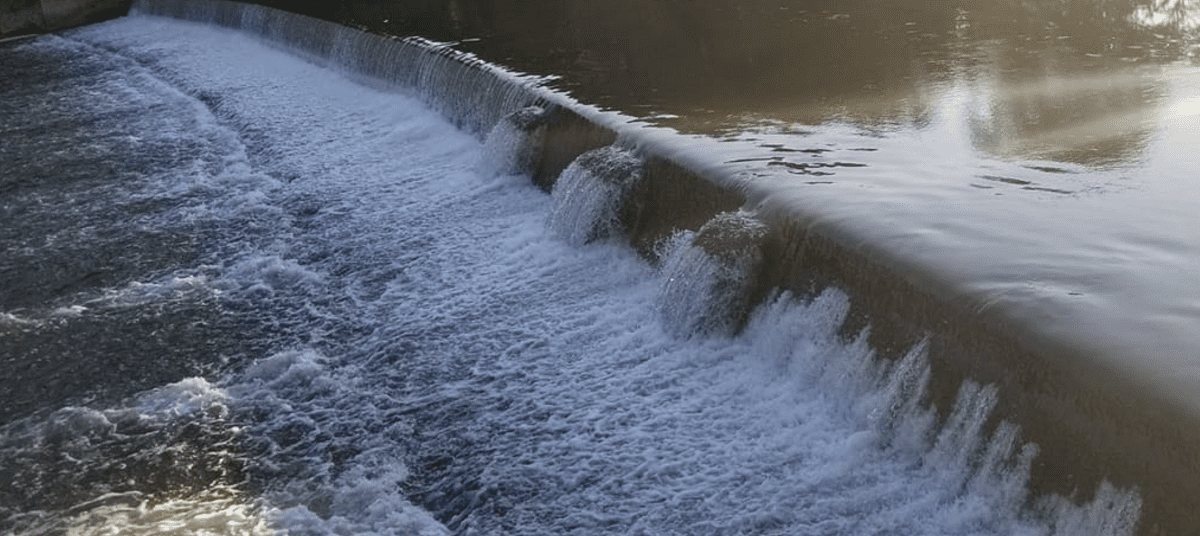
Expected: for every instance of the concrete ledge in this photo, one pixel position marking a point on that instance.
(24, 17)
(1091, 423)
(61, 14)
(20, 17)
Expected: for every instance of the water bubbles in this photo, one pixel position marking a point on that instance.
(591, 192)
(708, 276)
(512, 146)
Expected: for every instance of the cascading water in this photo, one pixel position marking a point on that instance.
(513, 144)
(708, 275)
(422, 353)
(591, 192)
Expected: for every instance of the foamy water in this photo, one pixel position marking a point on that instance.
(438, 349)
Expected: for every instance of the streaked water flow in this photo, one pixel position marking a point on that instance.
(707, 276)
(589, 195)
(385, 336)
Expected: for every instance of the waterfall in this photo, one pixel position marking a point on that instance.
(512, 376)
(513, 145)
(473, 94)
(591, 192)
(707, 276)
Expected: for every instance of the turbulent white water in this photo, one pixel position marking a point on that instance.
(589, 193)
(437, 359)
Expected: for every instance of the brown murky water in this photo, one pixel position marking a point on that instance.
(1032, 161)
(1034, 157)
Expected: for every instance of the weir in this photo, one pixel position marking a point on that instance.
(1092, 422)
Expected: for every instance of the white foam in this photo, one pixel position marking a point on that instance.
(539, 368)
(217, 511)
(299, 386)
(190, 398)
(511, 145)
(267, 274)
(71, 451)
(183, 399)
(365, 502)
(72, 310)
(9, 320)
(589, 193)
(139, 293)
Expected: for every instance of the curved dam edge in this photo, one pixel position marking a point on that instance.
(1092, 420)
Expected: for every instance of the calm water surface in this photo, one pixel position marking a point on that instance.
(244, 294)
(1033, 159)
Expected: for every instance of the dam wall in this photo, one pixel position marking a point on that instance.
(23, 17)
(1091, 422)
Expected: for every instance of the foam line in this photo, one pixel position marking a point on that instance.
(462, 358)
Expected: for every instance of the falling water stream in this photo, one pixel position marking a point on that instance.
(248, 292)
